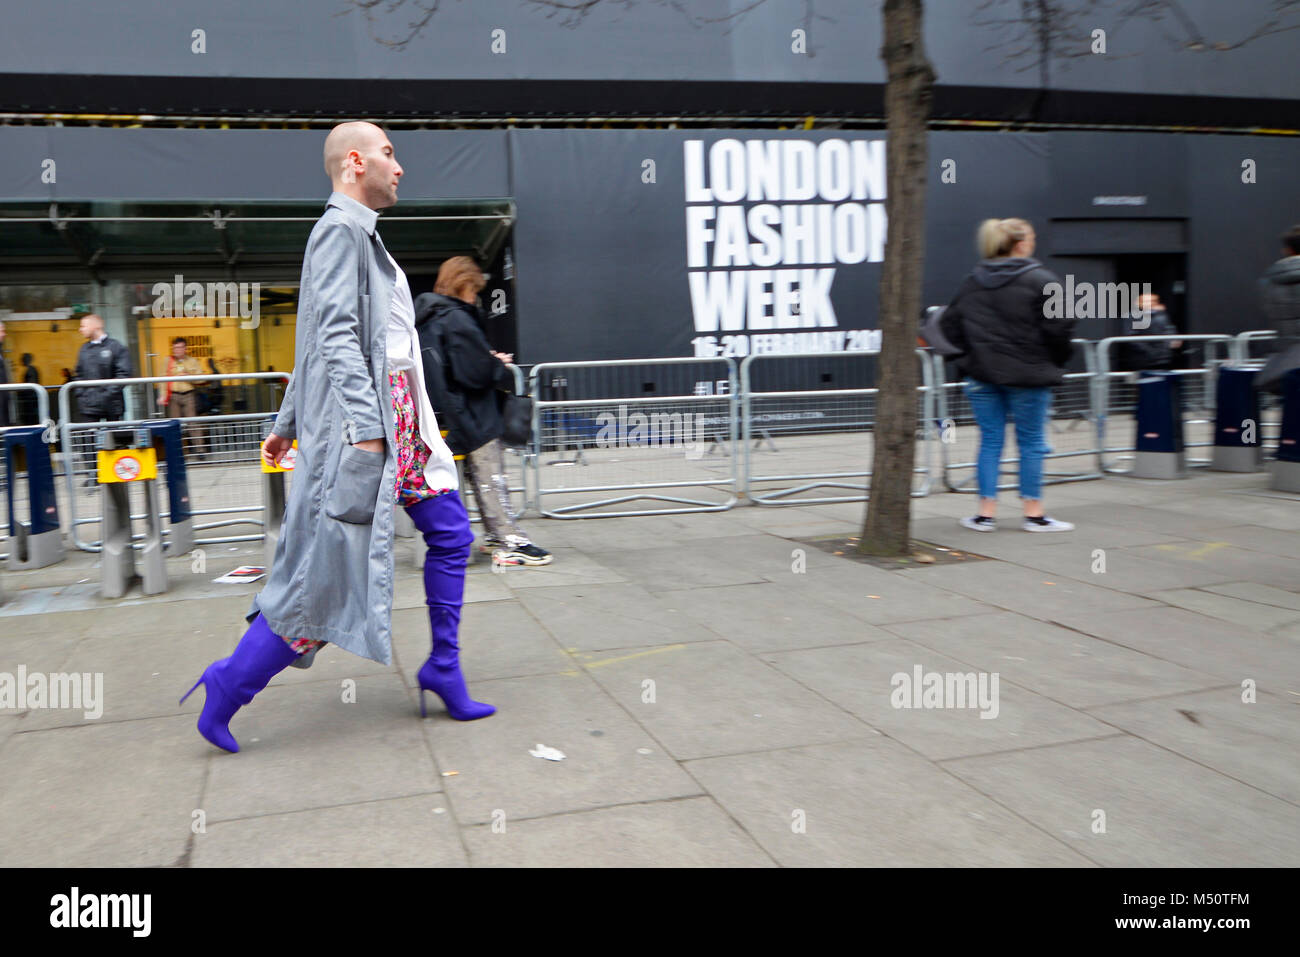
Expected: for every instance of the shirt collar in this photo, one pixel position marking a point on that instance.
(364, 215)
(95, 342)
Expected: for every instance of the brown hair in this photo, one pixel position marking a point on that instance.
(997, 237)
(456, 273)
(1292, 240)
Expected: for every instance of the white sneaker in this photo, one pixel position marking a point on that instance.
(1045, 523)
(980, 523)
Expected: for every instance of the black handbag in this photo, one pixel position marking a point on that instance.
(517, 418)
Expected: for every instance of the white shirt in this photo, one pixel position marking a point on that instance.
(404, 356)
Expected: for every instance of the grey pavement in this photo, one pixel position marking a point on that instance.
(724, 695)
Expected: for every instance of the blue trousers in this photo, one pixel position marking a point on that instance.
(1027, 407)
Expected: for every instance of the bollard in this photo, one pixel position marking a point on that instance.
(39, 542)
(1286, 467)
(1159, 441)
(117, 559)
(274, 500)
(1236, 422)
(273, 503)
(153, 565)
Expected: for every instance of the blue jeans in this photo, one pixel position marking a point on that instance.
(991, 405)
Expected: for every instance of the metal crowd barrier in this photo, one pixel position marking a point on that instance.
(816, 425)
(230, 440)
(634, 426)
(1115, 398)
(1071, 433)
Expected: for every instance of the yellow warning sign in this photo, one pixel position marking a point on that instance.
(286, 463)
(128, 465)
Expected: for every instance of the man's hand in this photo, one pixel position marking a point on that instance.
(370, 445)
(274, 448)
(506, 357)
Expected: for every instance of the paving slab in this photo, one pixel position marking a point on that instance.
(664, 569)
(1186, 638)
(304, 747)
(1027, 591)
(1243, 613)
(1074, 669)
(615, 615)
(1221, 731)
(498, 639)
(1138, 570)
(761, 618)
(1161, 810)
(862, 679)
(873, 595)
(1228, 562)
(694, 714)
(609, 758)
(691, 832)
(1260, 594)
(102, 795)
(403, 832)
(1258, 538)
(871, 803)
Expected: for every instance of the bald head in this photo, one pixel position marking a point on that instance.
(360, 163)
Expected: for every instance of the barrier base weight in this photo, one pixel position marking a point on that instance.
(1286, 476)
(1159, 465)
(1244, 458)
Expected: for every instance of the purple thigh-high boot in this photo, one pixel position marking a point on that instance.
(445, 526)
(230, 683)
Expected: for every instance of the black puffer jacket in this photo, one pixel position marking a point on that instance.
(998, 320)
(106, 359)
(467, 383)
(1281, 291)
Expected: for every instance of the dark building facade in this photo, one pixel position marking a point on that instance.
(746, 215)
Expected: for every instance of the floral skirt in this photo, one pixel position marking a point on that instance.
(412, 456)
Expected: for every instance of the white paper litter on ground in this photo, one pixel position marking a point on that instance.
(550, 754)
(244, 573)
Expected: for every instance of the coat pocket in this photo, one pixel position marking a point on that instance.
(355, 489)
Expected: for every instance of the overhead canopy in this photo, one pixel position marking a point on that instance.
(104, 240)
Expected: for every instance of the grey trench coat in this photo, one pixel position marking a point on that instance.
(332, 576)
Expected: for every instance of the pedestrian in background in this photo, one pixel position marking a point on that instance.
(1152, 319)
(475, 381)
(6, 377)
(179, 399)
(1011, 354)
(28, 410)
(1280, 292)
(100, 357)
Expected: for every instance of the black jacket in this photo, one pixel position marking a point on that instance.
(466, 383)
(998, 320)
(1281, 292)
(107, 360)
(1146, 356)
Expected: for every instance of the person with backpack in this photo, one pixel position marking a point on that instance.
(468, 383)
(1011, 354)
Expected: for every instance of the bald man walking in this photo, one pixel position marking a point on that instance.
(367, 439)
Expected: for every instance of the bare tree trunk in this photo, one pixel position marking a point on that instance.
(887, 530)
